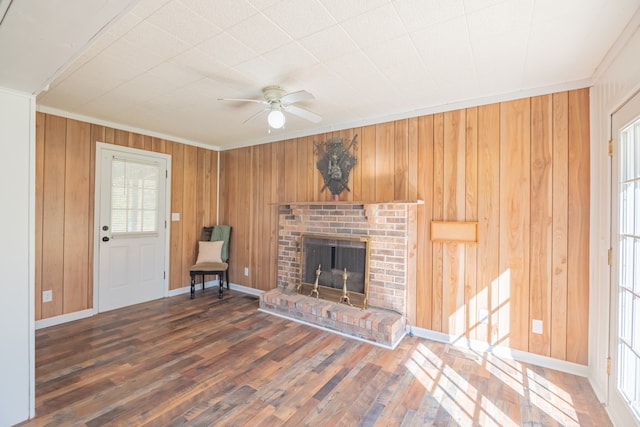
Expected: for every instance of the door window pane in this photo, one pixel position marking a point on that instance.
(134, 197)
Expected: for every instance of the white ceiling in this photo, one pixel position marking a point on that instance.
(161, 67)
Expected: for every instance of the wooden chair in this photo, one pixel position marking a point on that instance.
(213, 257)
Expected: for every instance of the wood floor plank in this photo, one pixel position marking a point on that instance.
(211, 362)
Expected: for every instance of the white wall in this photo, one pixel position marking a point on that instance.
(616, 82)
(17, 130)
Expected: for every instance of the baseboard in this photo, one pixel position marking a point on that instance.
(187, 289)
(245, 289)
(70, 317)
(214, 283)
(502, 351)
(64, 318)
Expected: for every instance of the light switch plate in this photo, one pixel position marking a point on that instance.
(246, 271)
(536, 326)
(47, 296)
(175, 216)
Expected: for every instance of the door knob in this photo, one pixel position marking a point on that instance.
(105, 239)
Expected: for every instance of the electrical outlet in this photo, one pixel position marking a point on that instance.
(47, 296)
(246, 271)
(536, 326)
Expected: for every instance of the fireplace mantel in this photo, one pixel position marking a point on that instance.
(391, 228)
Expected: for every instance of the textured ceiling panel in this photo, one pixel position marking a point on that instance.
(162, 66)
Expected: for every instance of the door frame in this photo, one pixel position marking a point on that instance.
(96, 213)
(627, 113)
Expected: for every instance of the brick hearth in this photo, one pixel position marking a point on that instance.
(391, 228)
(375, 325)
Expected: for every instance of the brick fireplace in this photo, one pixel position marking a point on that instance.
(391, 230)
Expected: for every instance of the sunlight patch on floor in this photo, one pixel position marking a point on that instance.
(467, 406)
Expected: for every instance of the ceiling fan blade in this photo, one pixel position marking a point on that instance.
(259, 101)
(301, 112)
(293, 97)
(255, 115)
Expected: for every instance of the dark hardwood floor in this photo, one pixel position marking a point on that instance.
(207, 361)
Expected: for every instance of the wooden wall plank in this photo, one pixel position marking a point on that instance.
(541, 221)
(401, 161)
(232, 176)
(259, 269)
(578, 228)
(212, 187)
(273, 220)
(242, 226)
(53, 211)
(190, 234)
(121, 137)
(471, 214)
(257, 215)
(223, 209)
(413, 164)
(356, 173)
(176, 269)
(290, 168)
(487, 295)
(109, 136)
(200, 185)
(213, 207)
(136, 140)
(384, 174)
(97, 135)
(278, 174)
(39, 212)
(515, 223)
(303, 175)
(424, 278)
(368, 164)
(76, 216)
(158, 145)
(560, 225)
(453, 305)
(313, 173)
(437, 213)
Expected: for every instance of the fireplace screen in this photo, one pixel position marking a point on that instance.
(335, 268)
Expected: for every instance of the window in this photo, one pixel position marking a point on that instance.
(629, 268)
(134, 197)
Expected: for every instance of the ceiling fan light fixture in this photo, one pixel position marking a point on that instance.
(276, 118)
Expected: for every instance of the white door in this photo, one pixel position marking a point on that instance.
(131, 219)
(624, 385)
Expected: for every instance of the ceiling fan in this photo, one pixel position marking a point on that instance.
(277, 102)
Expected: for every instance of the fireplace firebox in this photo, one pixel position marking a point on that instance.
(335, 268)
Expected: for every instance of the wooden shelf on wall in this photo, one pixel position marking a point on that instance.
(454, 231)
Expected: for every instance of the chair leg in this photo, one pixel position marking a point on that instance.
(193, 286)
(203, 283)
(220, 286)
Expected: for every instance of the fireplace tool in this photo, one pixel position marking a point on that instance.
(315, 284)
(345, 293)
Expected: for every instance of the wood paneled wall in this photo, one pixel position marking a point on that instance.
(519, 168)
(65, 185)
